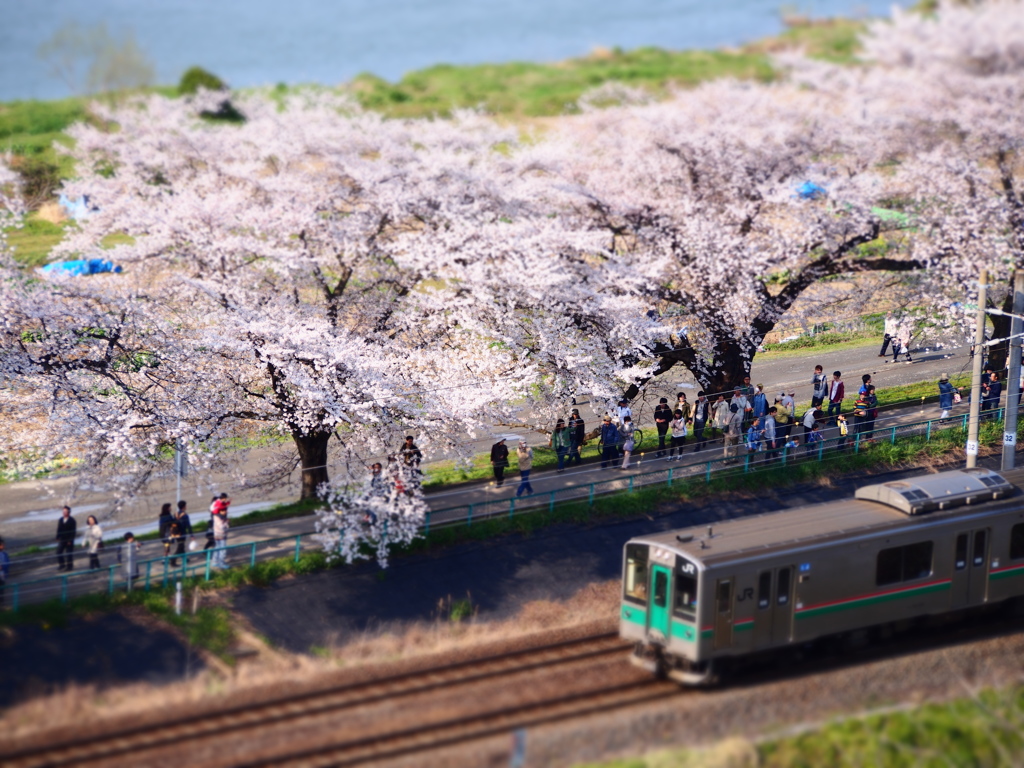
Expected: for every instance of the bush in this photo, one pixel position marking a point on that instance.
(196, 78)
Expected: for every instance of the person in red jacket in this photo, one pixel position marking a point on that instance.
(836, 393)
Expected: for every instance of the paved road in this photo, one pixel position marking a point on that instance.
(29, 510)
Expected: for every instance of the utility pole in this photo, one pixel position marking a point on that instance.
(979, 354)
(1013, 377)
(180, 464)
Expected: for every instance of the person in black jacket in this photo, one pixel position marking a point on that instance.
(66, 528)
(499, 460)
(183, 532)
(577, 434)
(662, 416)
(164, 526)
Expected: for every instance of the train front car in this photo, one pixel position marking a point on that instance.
(660, 610)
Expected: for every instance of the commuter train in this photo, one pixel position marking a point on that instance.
(700, 599)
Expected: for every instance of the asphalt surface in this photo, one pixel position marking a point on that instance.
(499, 576)
(29, 509)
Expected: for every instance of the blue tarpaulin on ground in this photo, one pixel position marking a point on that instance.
(810, 191)
(82, 267)
(77, 209)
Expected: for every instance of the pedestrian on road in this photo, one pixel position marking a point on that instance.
(560, 442)
(499, 460)
(94, 541)
(5, 571)
(819, 384)
(524, 455)
(626, 435)
(836, 393)
(733, 433)
(184, 528)
(720, 414)
(577, 434)
(609, 443)
(948, 395)
(701, 410)
(678, 427)
(128, 557)
(66, 529)
(220, 532)
(164, 526)
(411, 454)
(889, 329)
(662, 417)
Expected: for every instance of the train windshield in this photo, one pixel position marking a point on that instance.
(636, 573)
(686, 589)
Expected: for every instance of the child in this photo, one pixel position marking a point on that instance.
(813, 438)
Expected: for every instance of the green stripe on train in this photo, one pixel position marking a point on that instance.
(863, 601)
(1019, 571)
(684, 632)
(634, 615)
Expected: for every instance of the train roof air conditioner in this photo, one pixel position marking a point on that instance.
(943, 490)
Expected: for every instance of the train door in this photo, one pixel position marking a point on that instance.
(763, 611)
(723, 613)
(658, 616)
(782, 606)
(970, 568)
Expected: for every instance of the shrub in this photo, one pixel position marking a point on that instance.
(196, 78)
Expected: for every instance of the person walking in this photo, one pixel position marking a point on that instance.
(577, 434)
(93, 541)
(819, 385)
(770, 430)
(628, 444)
(836, 393)
(128, 557)
(220, 532)
(164, 526)
(701, 410)
(5, 571)
(888, 330)
(560, 442)
(609, 443)
(66, 530)
(662, 417)
(720, 415)
(679, 431)
(499, 460)
(524, 455)
(184, 530)
(733, 432)
(947, 395)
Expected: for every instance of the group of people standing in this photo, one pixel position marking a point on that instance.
(898, 333)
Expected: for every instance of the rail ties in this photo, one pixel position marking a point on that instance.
(234, 722)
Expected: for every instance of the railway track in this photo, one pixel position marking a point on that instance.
(378, 718)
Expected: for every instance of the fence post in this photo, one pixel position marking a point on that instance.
(670, 477)
(963, 421)
(149, 572)
(928, 432)
(785, 453)
(110, 587)
(298, 543)
(551, 504)
(209, 558)
(856, 443)
(892, 440)
(746, 464)
(252, 558)
(591, 499)
(707, 473)
(469, 515)
(166, 567)
(426, 528)
(821, 449)
(64, 588)
(630, 483)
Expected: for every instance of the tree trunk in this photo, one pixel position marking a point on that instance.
(313, 459)
(998, 353)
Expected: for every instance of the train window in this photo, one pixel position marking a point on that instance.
(783, 594)
(686, 595)
(960, 556)
(764, 590)
(661, 589)
(979, 549)
(913, 561)
(636, 573)
(1017, 542)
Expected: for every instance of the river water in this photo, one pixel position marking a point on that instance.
(328, 41)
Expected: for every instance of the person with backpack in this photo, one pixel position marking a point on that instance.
(626, 435)
(948, 395)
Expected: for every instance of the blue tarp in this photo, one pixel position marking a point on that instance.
(77, 209)
(82, 267)
(810, 191)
